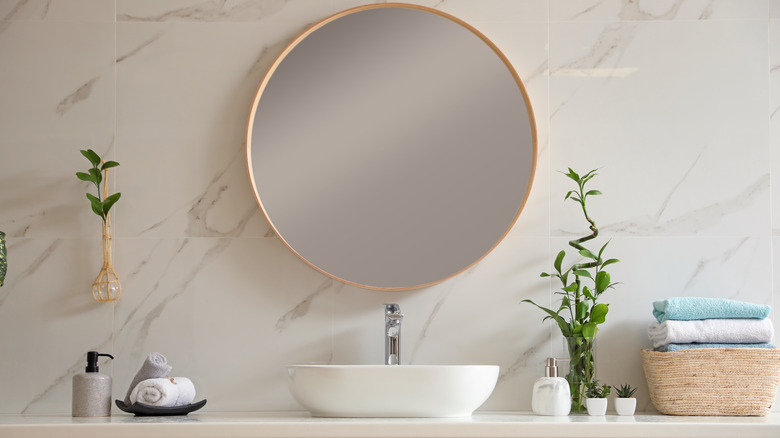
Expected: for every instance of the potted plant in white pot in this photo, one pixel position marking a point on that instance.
(596, 400)
(625, 403)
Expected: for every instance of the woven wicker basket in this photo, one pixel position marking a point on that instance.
(713, 381)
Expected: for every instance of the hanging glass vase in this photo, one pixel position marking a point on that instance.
(106, 286)
(582, 352)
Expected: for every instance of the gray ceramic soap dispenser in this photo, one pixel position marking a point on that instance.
(92, 390)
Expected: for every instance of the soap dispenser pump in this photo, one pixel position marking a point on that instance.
(92, 390)
(551, 394)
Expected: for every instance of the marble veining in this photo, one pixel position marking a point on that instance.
(214, 10)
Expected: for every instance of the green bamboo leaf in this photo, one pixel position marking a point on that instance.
(565, 330)
(588, 254)
(85, 177)
(589, 330)
(602, 282)
(108, 165)
(588, 293)
(544, 274)
(92, 157)
(609, 262)
(565, 302)
(570, 288)
(582, 310)
(573, 175)
(601, 251)
(598, 314)
(95, 173)
(582, 273)
(97, 206)
(559, 261)
(109, 202)
(593, 192)
(568, 194)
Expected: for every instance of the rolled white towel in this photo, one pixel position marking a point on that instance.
(719, 331)
(155, 365)
(164, 392)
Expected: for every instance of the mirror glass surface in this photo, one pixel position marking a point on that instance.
(391, 147)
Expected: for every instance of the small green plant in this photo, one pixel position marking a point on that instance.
(101, 203)
(595, 390)
(625, 391)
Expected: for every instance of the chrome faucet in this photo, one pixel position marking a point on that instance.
(393, 317)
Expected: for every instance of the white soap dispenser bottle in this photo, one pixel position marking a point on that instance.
(551, 395)
(92, 390)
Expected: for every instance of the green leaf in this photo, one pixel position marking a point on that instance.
(582, 310)
(601, 251)
(97, 206)
(544, 274)
(98, 177)
(559, 261)
(593, 192)
(568, 194)
(570, 288)
(582, 273)
(573, 175)
(586, 290)
(92, 157)
(609, 262)
(588, 254)
(565, 302)
(602, 282)
(598, 314)
(85, 177)
(109, 202)
(589, 330)
(565, 330)
(108, 165)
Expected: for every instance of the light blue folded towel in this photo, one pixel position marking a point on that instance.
(678, 347)
(692, 308)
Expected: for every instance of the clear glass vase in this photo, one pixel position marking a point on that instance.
(106, 286)
(582, 370)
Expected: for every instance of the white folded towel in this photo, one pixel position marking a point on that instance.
(729, 331)
(155, 365)
(164, 392)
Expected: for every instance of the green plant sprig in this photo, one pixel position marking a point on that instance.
(578, 300)
(596, 390)
(625, 391)
(100, 206)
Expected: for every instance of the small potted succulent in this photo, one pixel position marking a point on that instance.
(625, 403)
(596, 400)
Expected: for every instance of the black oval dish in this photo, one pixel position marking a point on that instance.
(144, 410)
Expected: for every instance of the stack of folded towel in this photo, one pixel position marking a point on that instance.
(695, 322)
(152, 386)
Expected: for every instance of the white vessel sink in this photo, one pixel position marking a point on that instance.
(391, 390)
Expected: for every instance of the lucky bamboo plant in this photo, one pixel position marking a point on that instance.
(106, 286)
(580, 312)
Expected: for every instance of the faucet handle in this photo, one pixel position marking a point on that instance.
(393, 311)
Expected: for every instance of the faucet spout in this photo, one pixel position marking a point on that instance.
(393, 317)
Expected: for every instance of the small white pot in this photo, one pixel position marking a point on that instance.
(625, 406)
(596, 406)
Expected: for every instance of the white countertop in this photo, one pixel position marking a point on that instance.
(298, 425)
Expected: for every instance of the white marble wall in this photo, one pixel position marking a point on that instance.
(677, 101)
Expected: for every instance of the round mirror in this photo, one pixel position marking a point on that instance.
(391, 146)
